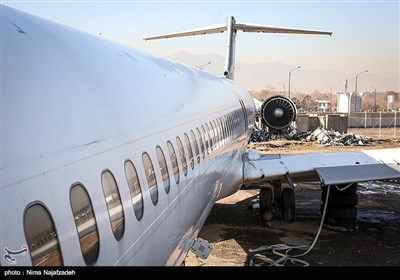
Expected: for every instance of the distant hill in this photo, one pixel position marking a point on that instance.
(270, 75)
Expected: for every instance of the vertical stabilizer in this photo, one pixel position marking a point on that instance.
(229, 67)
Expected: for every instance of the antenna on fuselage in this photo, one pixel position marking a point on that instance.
(232, 27)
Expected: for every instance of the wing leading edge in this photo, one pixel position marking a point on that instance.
(329, 168)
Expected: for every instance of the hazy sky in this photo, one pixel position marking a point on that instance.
(365, 33)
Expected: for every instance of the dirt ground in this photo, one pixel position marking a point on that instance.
(233, 227)
(380, 140)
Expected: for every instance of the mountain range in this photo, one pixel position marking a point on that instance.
(272, 76)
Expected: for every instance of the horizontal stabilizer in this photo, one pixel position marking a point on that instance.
(245, 27)
(232, 27)
(199, 31)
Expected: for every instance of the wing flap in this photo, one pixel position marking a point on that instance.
(330, 168)
(359, 173)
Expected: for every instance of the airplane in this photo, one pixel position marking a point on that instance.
(111, 156)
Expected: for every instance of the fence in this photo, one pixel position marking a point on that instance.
(379, 125)
(387, 125)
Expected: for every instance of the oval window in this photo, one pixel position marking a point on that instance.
(200, 140)
(190, 151)
(41, 237)
(195, 145)
(134, 189)
(174, 161)
(151, 177)
(182, 154)
(85, 222)
(209, 138)
(163, 168)
(114, 205)
(205, 139)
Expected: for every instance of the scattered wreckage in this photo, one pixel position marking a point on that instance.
(321, 136)
(278, 115)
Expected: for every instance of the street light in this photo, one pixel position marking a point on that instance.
(201, 67)
(355, 91)
(283, 87)
(290, 73)
(331, 94)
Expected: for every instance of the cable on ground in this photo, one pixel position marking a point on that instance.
(286, 256)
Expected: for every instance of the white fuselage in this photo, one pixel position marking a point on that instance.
(74, 106)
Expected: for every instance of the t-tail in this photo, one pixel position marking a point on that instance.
(232, 27)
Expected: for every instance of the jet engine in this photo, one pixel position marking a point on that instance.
(278, 112)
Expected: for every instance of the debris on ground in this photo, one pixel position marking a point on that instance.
(334, 138)
(321, 136)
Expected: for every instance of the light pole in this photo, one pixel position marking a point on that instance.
(201, 67)
(290, 73)
(283, 87)
(355, 91)
(330, 94)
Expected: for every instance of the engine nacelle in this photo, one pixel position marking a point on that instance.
(278, 112)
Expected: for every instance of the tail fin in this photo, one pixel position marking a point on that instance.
(232, 27)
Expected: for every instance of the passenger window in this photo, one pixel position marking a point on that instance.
(228, 127)
(114, 205)
(216, 129)
(205, 139)
(209, 137)
(134, 189)
(225, 122)
(163, 168)
(212, 132)
(212, 135)
(174, 161)
(41, 236)
(231, 128)
(182, 154)
(200, 140)
(196, 147)
(190, 151)
(85, 222)
(151, 177)
(221, 130)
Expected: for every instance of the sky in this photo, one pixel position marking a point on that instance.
(365, 33)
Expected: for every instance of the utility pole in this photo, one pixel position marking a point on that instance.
(355, 91)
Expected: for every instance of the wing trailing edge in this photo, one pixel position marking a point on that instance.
(329, 168)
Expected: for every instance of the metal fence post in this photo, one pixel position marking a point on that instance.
(365, 124)
(380, 123)
(394, 126)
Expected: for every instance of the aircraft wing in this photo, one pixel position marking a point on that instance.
(246, 27)
(330, 168)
